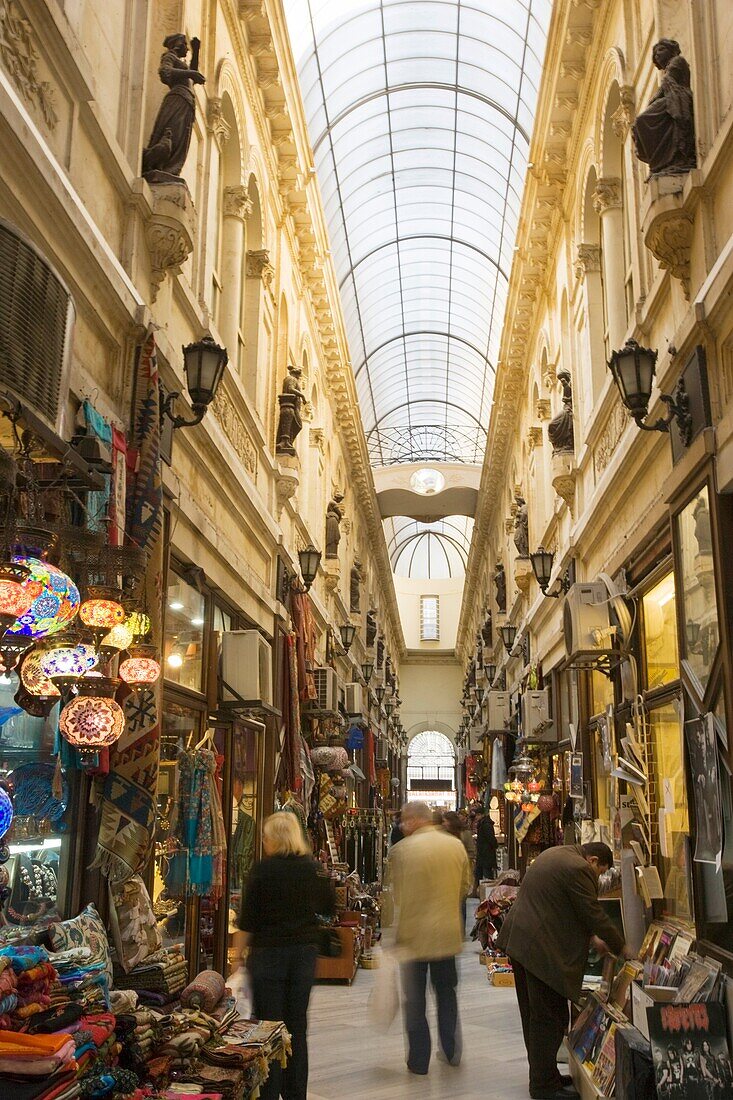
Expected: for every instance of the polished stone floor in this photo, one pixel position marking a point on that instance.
(348, 1058)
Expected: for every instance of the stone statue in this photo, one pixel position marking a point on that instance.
(380, 652)
(334, 515)
(500, 585)
(560, 430)
(167, 149)
(521, 528)
(487, 631)
(664, 133)
(291, 420)
(355, 589)
(371, 627)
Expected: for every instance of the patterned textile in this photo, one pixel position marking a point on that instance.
(330, 758)
(86, 930)
(133, 925)
(304, 626)
(127, 815)
(289, 773)
(198, 827)
(205, 991)
(145, 502)
(97, 503)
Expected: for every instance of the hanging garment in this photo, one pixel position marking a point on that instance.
(242, 851)
(289, 772)
(498, 765)
(305, 634)
(197, 827)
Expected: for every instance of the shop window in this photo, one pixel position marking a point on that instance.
(180, 729)
(672, 818)
(697, 587)
(660, 634)
(41, 837)
(185, 617)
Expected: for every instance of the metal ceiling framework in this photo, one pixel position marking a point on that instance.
(420, 113)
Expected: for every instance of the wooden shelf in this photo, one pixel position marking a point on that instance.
(344, 968)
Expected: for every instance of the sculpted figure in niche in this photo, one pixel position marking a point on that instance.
(291, 420)
(371, 626)
(560, 430)
(334, 515)
(487, 631)
(167, 149)
(521, 528)
(664, 133)
(500, 586)
(355, 589)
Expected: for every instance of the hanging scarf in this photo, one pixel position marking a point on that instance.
(289, 772)
(198, 828)
(305, 644)
(498, 765)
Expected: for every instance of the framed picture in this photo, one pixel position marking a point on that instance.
(576, 775)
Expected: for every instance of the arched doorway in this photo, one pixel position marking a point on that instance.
(431, 770)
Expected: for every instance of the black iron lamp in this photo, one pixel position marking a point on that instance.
(508, 636)
(366, 670)
(633, 369)
(490, 671)
(542, 562)
(480, 695)
(203, 364)
(309, 560)
(380, 693)
(348, 633)
(388, 707)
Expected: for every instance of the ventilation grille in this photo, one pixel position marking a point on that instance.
(34, 318)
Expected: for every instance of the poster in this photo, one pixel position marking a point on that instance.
(576, 775)
(690, 1051)
(703, 751)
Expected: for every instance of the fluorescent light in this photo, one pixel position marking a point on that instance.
(47, 842)
(176, 605)
(197, 621)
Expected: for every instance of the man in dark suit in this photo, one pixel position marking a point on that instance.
(547, 933)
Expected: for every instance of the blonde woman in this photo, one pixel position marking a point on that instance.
(285, 895)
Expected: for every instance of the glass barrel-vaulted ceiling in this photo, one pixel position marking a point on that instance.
(420, 113)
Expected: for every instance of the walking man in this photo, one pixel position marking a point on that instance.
(431, 878)
(548, 931)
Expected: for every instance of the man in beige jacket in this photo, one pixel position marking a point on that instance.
(431, 876)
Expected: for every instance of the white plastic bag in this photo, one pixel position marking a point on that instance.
(240, 985)
(384, 1000)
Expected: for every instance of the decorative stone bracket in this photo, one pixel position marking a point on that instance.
(523, 574)
(170, 231)
(564, 475)
(332, 569)
(287, 480)
(667, 227)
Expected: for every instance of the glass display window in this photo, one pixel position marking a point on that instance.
(38, 870)
(673, 822)
(696, 592)
(185, 622)
(661, 657)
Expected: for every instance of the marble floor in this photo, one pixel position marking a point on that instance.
(348, 1058)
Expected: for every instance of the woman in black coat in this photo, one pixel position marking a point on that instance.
(286, 893)
(486, 845)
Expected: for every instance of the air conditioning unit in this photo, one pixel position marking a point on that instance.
(354, 700)
(498, 707)
(476, 737)
(587, 622)
(536, 722)
(327, 696)
(246, 666)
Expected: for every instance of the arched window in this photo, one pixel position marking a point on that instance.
(431, 770)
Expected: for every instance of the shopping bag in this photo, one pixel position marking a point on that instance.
(384, 999)
(241, 988)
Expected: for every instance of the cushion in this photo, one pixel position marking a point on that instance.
(86, 930)
(205, 991)
(135, 930)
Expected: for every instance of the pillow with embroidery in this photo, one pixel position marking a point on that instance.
(86, 930)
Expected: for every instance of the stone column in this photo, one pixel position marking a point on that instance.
(237, 206)
(607, 204)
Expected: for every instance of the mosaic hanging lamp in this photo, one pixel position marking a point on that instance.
(66, 662)
(17, 592)
(102, 609)
(6, 811)
(140, 623)
(142, 668)
(53, 608)
(34, 679)
(120, 637)
(93, 720)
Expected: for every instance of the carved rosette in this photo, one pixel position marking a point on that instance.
(170, 231)
(215, 121)
(587, 259)
(607, 194)
(259, 266)
(237, 203)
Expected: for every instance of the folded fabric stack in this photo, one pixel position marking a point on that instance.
(34, 978)
(81, 977)
(159, 980)
(38, 1067)
(8, 992)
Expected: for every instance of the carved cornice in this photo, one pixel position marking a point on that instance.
(607, 194)
(237, 203)
(20, 57)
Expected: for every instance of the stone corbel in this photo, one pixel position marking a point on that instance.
(667, 228)
(624, 114)
(316, 439)
(215, 121)
(564, 475)
(535, 437)
(332, 570)
(259, 266)
(170, 231)
(287, 480)
(587, 259)
(543, 408)
(237, 203)
(523, 573)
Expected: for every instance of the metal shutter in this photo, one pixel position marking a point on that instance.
(35, 315)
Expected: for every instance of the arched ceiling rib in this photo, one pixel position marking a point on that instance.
(420, 113)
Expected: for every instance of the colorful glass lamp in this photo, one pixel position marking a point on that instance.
(142, 668)
(53, 608)
(17, 592)
(34, 679)
(93, 720)
(6, 811)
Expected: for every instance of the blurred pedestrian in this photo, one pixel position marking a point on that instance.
(431, 877)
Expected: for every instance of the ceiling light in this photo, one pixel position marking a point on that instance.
(427, 482)
(176, 605)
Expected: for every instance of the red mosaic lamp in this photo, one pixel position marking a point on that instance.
(141, 668)
(93, 720)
